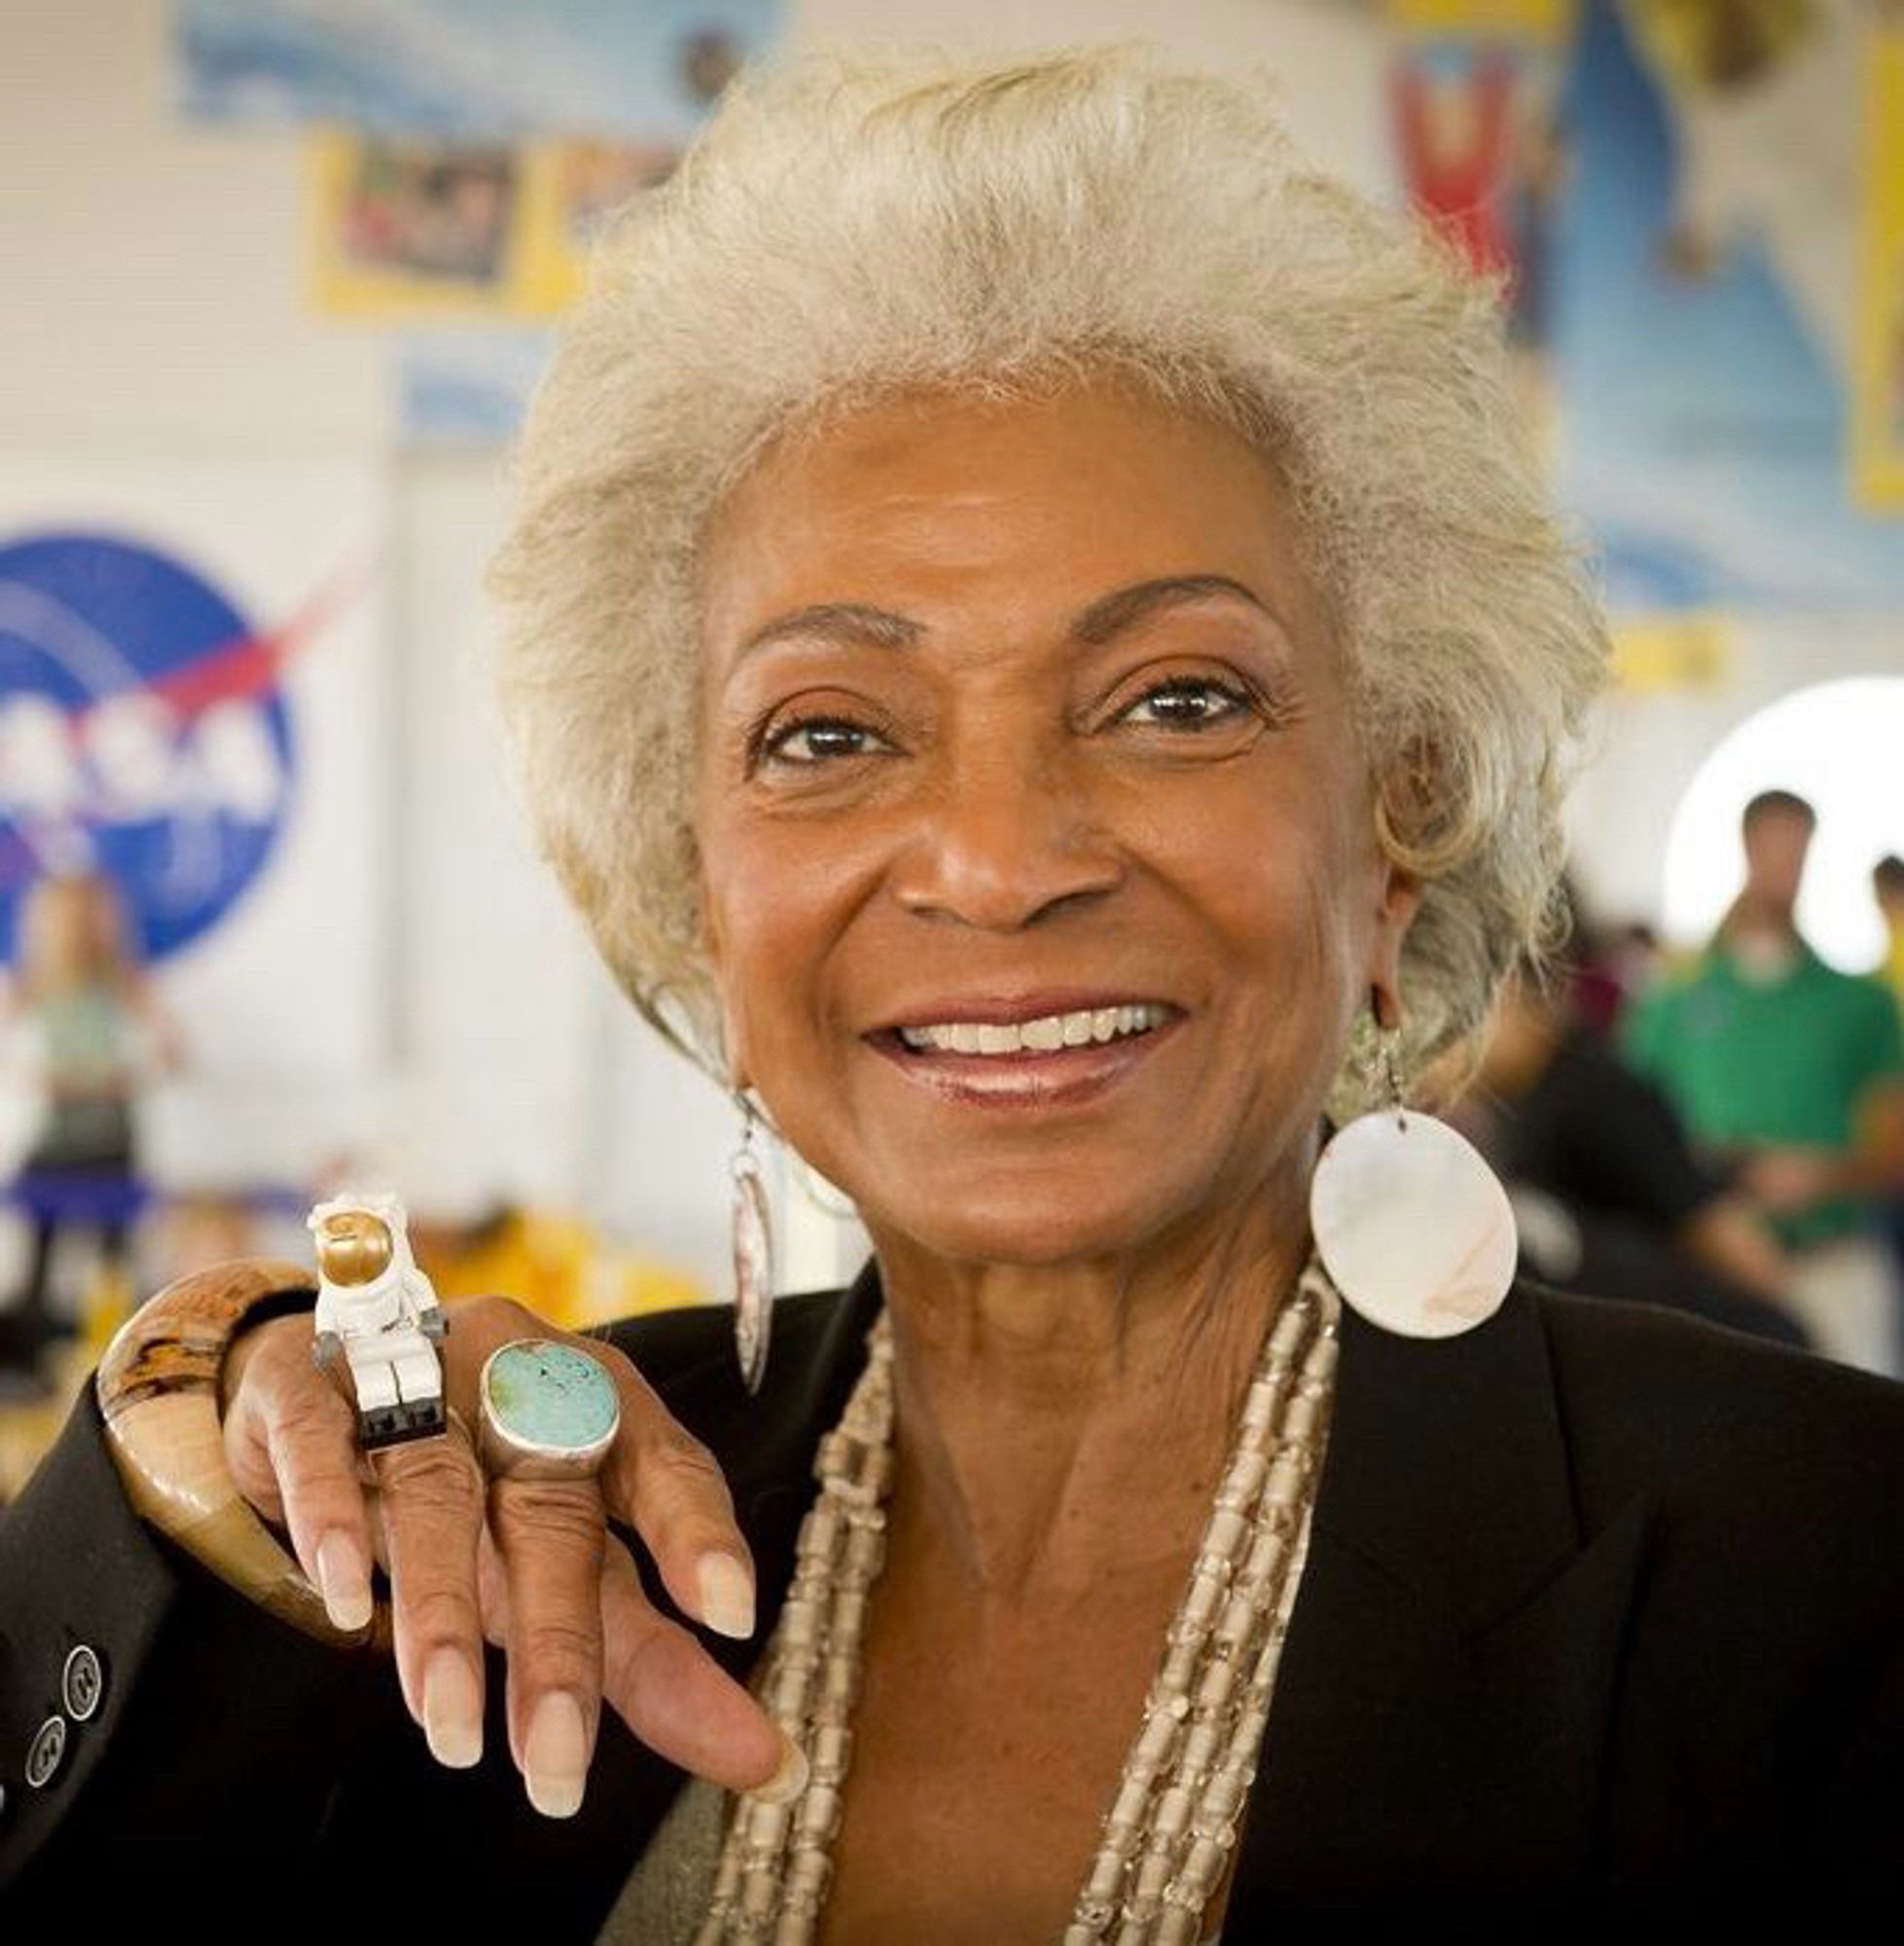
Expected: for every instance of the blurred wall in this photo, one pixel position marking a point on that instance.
(154, 317)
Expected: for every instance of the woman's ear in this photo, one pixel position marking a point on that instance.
(733, 1047)
(1399, 901)
(734, 1040)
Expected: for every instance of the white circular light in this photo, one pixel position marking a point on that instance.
(1837, 744)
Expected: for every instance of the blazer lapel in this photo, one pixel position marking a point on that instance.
(767, 1446)
(1440, 1713)
(774, 1486)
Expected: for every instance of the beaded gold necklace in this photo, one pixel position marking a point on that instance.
(1167, 1835)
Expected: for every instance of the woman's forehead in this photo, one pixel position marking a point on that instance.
(1037, 509)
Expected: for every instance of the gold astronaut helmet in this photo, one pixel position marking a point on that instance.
(354, 1247)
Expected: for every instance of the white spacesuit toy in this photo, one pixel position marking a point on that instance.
(376, 1309)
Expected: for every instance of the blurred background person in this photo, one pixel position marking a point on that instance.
(1887, 889)
(1609, 967)
(1791, 1074)
(1610, 1199)
(84, 1017)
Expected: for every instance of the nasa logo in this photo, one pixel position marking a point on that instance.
(142, 730)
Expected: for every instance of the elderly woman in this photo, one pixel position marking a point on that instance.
(1035, 643)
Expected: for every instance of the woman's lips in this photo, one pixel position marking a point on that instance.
(1027, 1077)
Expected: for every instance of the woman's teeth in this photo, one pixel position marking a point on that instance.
(1039, 1036)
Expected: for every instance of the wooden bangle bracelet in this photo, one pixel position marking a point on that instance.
(157, 1392)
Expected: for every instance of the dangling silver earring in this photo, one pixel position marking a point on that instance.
(1412, 1225)
(753, 1255)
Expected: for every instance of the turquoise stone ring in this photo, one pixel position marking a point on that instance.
(549, 1412)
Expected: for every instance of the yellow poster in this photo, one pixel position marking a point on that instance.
(411, 229)
(1657, 655)
(1547, 22)
(1878, 386)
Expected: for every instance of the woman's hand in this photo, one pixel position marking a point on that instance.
(530, 1564)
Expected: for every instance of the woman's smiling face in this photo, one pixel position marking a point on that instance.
(1037, 853)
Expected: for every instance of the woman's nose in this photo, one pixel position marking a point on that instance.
(1005, 839)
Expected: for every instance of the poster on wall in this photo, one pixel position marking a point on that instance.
(416, 227)
(143, 728)
(189, 703)
(474, 70)
(1670, 193)
(1473, 87)
(462, 152)
(1878, 437)
(1703, 344)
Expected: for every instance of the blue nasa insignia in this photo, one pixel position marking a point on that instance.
(142, 731)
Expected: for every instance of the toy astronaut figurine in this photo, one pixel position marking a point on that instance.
(376, 1309)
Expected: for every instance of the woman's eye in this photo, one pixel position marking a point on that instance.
(819, 739)
(1187, 703)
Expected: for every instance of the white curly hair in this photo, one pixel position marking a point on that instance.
(855, 222)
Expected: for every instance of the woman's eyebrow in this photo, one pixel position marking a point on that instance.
(843, 620)
(1111, 614)
(1103, 619)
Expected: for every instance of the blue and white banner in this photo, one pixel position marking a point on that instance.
(143, 730)
(474, 69)
(1707, 266)
(196, 696)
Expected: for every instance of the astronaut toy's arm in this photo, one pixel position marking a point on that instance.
(425, 1305)
(326, 1348)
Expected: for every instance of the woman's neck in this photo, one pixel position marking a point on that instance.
(1056, 1423)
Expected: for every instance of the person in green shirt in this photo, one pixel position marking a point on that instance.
(1887, 889)
(1793, 1075)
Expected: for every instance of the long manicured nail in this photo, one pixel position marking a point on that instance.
(343, 1582)
(727, 1595)
(786, 1783)
(453, 1710)
(556, 1756)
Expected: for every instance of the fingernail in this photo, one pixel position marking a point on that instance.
(789, 1780)
(727, 1595)
(453, 1710)
(556, 1756)
(343, 1583)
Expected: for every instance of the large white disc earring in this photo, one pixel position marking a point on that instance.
(753, 1257)
(1410, 1222)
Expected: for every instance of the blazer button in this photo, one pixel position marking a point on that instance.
(83, 1682)
(45, 1751)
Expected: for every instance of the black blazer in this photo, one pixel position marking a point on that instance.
(1603, 1606)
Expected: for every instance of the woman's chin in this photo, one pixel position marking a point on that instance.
(1032, 1224)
